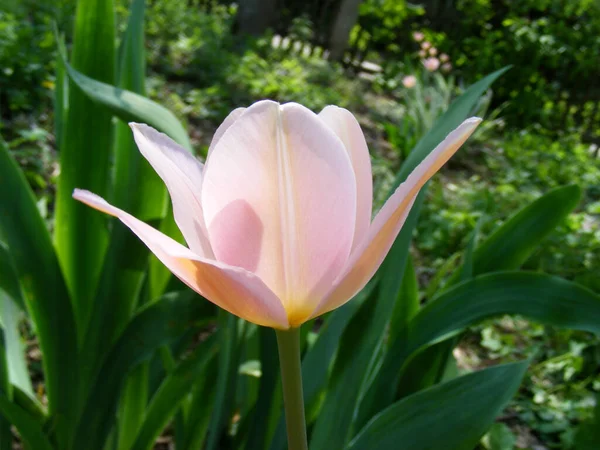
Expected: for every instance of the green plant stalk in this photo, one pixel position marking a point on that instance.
(288, 343)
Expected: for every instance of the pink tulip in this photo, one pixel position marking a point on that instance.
(418, 36)
(431, 64)
(409, 81)
(278, 221)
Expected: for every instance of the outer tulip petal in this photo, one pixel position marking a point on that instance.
(231, 288)
(279, 199)
(232, 117)
(182, 174)
(369, 255)
(345, 125)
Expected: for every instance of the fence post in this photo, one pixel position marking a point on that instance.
(255, 16)
(345, 19)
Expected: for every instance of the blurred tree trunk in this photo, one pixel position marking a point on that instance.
(255, 16)
(345, 19)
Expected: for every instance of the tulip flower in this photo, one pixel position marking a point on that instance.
(409, 81)
(431, 64)
(418, 36)
(278, 221)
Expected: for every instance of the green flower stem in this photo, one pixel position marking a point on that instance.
(288, 342)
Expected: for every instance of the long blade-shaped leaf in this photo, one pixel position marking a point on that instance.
(154, 326)
(30, 429)
(543, 298)
(452, 118)
(5, 390)
(228, 366)
(171, 392)
(407, 304)
(10, 315)
(514, 242)
(268, 382)
(81, 235)
(46, 297)
(200, 410)
(540, 297)
(453, 415)
(429, 366)
(507, 248)
(359, 344)
(130, 107)
(457, 112)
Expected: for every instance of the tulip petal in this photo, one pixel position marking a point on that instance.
(279, 199)
(369, 254)
(347, 128)
(182, 174)
(231, 288)
(229, 120)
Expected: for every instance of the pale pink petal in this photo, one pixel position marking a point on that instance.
(232, 117)
(369, 255)
(231, 288)
(347, 128)
(182, 174)
(279, 199)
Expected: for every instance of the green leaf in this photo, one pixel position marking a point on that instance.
(81, 235)
(138, 190)
(452, 415)
(500, 437)
(429, 366)
(171, 392)
(30, 429)
(457, 112)
(360, 344)
(507, 248)
(200, 410)
(46, 297)
(154, 326)
(407, 303)
(130, 107)
(268, 383)
(540, 297)
(30, 405)
(389, 286)
(228, 366)
(5, 390)
(10, 315)
(512, 244)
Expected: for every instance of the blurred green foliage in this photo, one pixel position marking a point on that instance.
(553, 44)
(26, 59)
(511, 169)
(27, 53)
